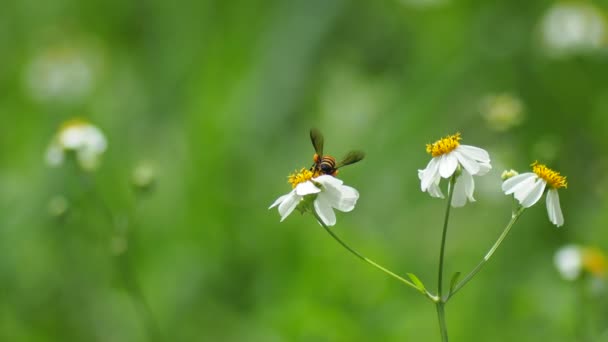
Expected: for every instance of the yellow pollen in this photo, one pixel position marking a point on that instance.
(553, 178)
(444, 145)
(300, 177)
(75, 122)
(594, 261)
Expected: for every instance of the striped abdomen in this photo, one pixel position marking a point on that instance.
(327, 165)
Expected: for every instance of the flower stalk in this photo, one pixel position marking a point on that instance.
(365, 259)
(444, 236)
(441, 316)
(440, 303)
(514, 217)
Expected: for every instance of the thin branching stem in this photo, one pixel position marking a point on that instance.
(125, 267)
(514, 217)
(367, 260)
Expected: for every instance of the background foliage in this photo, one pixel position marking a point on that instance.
(218, 97)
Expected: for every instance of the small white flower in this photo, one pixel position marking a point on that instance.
(569, 262)
(572, 261)
(80, 137)
(329, 193)
(66, 72)
(570, 28)
(448, 154)
(529, 187)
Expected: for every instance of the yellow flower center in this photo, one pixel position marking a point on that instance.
(444, 145)
(75, 122)
(300, 177)
(594, 261)
(553, 178)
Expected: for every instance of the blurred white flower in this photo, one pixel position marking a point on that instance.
(573, 261)
(326, 192)
(529, 187)
(573, 27)
(65, 72)
(569, 262)
(80, 137)
(448, 157)
(502, 112)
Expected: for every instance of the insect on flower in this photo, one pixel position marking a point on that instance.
(326, 164)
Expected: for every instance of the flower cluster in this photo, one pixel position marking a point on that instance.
(323, 193)
(318, 191)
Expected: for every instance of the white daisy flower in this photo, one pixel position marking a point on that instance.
(80, 137)
(572, 261)
(327, 193)
(448, 155)
(529, 187)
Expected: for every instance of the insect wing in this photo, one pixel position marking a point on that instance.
(317, 141)
(351, 158)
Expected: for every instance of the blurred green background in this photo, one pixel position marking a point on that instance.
(217, 97)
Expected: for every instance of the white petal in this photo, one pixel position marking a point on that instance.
(447, 165)
(289, 204)
(324, 210)
(475, 153)
(328, 180)
(514, 183)
(331, 188)
(534, 194)
(347, 200)
(459, 198)
(279, 201)
(72, 137)
(94, 139)
(467, 162)
(525, 188)
(338, 196)
(434, 190)
(463, 189)
(484, 168)
(306, 188)
(554, 209)
(430, 174)
(569, 261)
(54, 155)
(469, 185)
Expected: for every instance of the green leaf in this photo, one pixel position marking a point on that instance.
(417, 282)
(454, 281)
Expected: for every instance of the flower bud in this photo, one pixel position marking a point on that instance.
(58, 206)
(508, 174)
(143, 177)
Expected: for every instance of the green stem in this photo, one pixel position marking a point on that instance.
(440, 302)
(444, 236)
(514, 217)
(124, 261)
(125, 264)
(441, 315)
(367, 260)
